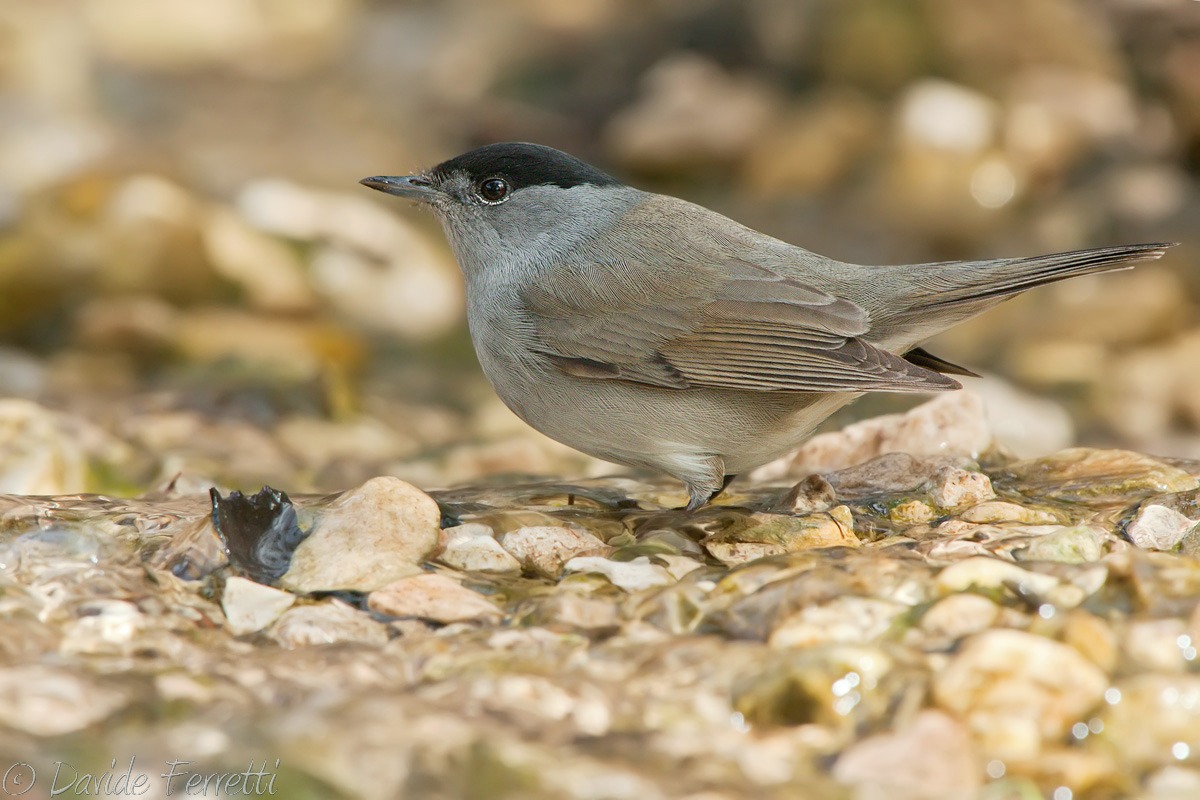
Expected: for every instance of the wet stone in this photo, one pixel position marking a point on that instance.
(250, 606)
(959, 615)
(1018, 691)
(365, 539)
(995, 511)
(952, 425)
(842, 620)
(632, 576)
(546, 549)
(1096, 477)
(955, 488)
(1162, 523)
(798, 687)
(930, 757)
(436, 598)
(473, 548)
(328, 622)
(1171, 701)
(770, 534)
(47, 701)
(809, 496)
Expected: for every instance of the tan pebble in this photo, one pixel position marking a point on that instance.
(632, 576)
(432, 597)
(984, 572)
(932, 757)
(809, 496)
(574, 610)
(473, 548)
(952, 424)
(1153, 645)
(250, 606)
(366, 538)
(844, 619)
(678, 566)
(1017, 690)
(911, 512)
(954, 488)
(732, 553)
(959, 615)
(1152, 714)
(546, 548)
(43, 700)
(993, 511)
(1159, 527)
(1093, 637)
(329, 622)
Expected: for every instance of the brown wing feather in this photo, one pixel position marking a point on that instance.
(736, 325)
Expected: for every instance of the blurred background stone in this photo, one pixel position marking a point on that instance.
(181, 229)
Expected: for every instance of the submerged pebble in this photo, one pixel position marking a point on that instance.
(436, 598)
(250, 606)
(545, 549)
(1018, 691)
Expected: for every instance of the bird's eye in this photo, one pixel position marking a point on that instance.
(493, 190)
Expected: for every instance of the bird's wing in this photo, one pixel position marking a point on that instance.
(733, 326)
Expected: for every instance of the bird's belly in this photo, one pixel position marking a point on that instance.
(666, 429)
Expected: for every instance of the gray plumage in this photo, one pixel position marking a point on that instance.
(653, 332)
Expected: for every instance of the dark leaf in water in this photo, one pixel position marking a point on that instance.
(259, 533)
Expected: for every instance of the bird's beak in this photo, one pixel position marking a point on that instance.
(411, 186)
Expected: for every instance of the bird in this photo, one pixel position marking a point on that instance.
(652, 332)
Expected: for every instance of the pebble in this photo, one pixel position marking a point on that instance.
(959, 615)
(778, 534)
(250, 606)
(544, 549)
(1159, 527)
(43, 700)
(1073, 544)
(956, 488)
(433, 597)
(887, 473)
(1018, 691)
(931, 757)
(328, 622)
(1172, 702)
(849, 620)
(1093, 637)
(994, 511)
(912, 512)
(992, 573)
(1154, 645)
(39, 453)
(953, 424)
(809, 496)
(366, 538)
(1098, 477)
(267, 270)
(689, 113)
(473, 548)
(572, 611)
(632, 576)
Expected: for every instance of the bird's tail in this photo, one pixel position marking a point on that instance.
(977, 282)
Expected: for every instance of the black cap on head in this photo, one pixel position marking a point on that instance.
(523, 164)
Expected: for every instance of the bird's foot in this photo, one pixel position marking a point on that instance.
(699, 496)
